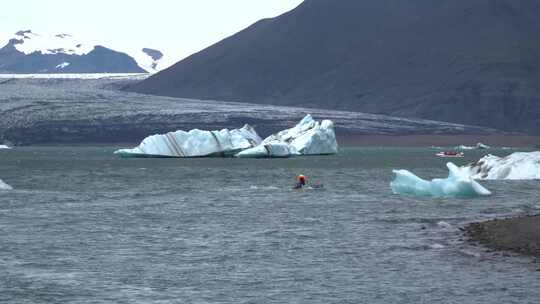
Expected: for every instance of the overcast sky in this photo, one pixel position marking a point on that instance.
(177, 27)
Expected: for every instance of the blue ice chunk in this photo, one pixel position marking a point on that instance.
(458, 184)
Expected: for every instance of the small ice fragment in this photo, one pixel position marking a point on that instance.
(4, 186)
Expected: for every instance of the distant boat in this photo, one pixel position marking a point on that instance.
(450, 154)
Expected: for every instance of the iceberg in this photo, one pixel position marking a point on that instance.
(195, 143)
(4, 147)
(271, 150)
(456, 185)
(516, 166)
(479, 146)
(4, 186)
(308, 137)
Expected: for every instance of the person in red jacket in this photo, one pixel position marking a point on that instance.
(301, 181)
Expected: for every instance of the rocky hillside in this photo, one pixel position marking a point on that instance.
(464, 61)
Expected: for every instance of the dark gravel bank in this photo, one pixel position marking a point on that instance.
(520, 235)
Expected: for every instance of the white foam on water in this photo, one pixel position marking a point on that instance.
(263, 187)
(470, 253)
(436, 246)
(444, 225)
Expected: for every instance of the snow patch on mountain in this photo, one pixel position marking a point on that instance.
(150, 59)
(28, 42)
(63, 65)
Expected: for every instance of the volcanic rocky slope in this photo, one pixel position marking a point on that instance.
(36, 111)
(466, 61)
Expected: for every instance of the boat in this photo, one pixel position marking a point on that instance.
(450, 154)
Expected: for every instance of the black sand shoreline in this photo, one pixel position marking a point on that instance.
(519, 235)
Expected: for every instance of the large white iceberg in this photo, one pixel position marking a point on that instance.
(4, 186)
(4, 147)
(195, 143)
(308, 137)
(456, 185)
(519, 166)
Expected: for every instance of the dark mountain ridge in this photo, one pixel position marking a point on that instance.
(466, 61)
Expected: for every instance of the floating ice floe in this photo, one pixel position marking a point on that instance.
(308, 137)
(4, 186)
(518, 166)
(195, 143)
(4, 147)
(456, 185)
(479, 146)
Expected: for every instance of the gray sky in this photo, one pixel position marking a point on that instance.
(177, 27)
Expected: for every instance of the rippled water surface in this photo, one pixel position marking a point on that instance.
(82, 226)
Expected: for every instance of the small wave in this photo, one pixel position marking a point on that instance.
(436, 246)
(263, 188)
(4, 186)
(444, 225)
(470, 253)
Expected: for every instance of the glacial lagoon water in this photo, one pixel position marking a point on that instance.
(82, 226)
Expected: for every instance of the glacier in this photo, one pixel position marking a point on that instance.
(308, 137)
(195, 143)
(456, 185)
(516, 166)
(4, 186)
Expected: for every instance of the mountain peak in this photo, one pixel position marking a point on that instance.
(70, 49)
(154, 54)
(24, 34)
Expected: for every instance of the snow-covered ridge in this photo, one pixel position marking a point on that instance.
(28, 42)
